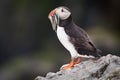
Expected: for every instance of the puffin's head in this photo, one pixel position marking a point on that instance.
(57, 14)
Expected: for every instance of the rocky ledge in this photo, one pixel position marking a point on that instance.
(104, 68)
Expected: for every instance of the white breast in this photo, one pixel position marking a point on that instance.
(64, 39)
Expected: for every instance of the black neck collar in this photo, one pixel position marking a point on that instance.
(66, 22)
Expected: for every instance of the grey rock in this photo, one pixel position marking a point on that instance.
(104, 68)
(40, 78)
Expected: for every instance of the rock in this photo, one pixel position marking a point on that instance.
(105, 68)
(40, 78)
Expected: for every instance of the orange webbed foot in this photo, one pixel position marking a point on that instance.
(66, 66)
(71, 64)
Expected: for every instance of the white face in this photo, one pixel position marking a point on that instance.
(56, 14)
(62, 13)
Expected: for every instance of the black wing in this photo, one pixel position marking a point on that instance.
(81, 41)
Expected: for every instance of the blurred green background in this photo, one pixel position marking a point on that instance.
(28, 45)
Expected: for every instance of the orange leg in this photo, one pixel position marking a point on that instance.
(72, 63)
(68, 65)
(78, 60)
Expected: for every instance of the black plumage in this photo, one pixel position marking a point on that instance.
(79, 38)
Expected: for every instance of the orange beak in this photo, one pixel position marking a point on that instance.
(51, 13)
(53, 19)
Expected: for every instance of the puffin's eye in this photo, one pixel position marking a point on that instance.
(62, 10)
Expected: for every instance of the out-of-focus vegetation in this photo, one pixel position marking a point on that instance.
(29, 47)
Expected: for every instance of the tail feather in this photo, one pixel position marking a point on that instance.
(98, 52)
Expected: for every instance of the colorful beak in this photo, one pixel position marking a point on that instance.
(53, 19)
(51, 13)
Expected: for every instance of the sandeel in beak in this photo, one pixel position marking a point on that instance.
(54, 19)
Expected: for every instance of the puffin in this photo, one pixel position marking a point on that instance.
(71, 36)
